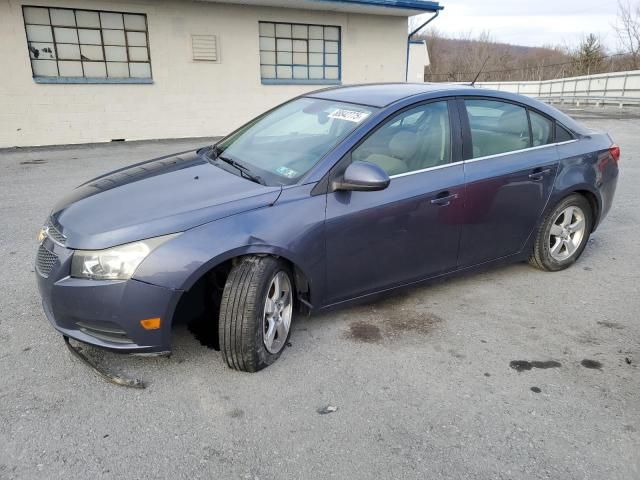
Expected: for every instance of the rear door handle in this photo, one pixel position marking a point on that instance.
(444, 198)
(538, 175)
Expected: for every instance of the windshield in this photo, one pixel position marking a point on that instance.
(284, 144)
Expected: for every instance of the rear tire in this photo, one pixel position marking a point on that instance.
(563, 234)
(256, 313)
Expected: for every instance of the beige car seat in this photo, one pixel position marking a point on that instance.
(402, 148)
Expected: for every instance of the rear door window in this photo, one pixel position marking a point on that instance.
(497, 127)
(541, 129)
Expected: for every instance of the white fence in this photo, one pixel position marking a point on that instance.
(618, 88)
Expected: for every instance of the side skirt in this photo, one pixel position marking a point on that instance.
(509, 259)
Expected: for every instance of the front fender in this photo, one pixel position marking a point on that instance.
(293, 228)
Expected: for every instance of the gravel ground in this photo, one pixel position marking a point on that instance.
(422, 380)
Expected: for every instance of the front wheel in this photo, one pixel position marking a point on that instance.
(256, 313)
(563, 234)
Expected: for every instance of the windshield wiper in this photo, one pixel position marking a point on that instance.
(244, 171)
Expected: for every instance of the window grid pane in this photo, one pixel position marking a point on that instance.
(36, 16)
(294, 51)
(67, 42)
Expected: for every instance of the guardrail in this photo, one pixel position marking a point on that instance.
(618, 88)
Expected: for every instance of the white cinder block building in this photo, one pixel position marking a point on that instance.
(93, 71)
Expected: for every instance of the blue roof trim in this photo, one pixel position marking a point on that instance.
(421, 5)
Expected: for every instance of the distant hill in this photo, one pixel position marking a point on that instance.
(460, 59)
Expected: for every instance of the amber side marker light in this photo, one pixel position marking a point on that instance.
(150, 323)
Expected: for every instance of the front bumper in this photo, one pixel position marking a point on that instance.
(106, 314)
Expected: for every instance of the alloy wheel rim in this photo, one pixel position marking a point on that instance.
(276, 320)
(566, 233)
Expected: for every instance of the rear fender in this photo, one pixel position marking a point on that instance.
(586, 166)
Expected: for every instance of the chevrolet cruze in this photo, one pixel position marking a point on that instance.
(334, 196)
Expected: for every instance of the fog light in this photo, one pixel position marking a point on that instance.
(150, 323)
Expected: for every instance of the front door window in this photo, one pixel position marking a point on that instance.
(413, 140)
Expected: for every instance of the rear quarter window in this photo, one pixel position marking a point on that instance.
(562, 134)
(541, 129)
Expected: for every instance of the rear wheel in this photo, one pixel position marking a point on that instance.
(563, 234)
(256, 313)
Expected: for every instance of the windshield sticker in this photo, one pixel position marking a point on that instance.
(287, 172)
(349, 115)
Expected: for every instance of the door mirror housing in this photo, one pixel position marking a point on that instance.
(362, 177)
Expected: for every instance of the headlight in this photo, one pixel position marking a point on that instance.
(116, 263)
(42, 234)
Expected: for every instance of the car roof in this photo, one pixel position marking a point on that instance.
(383, 94)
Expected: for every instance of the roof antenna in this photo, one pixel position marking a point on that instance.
(480, 71)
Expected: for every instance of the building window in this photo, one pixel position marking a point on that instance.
(299, 53)
(78, 46)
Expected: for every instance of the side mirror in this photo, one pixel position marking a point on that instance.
(362, 177)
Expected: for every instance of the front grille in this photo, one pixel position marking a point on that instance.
(55, 234)
(45, 260)
(106, 333)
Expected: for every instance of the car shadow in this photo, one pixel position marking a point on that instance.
(368, 320)
(200, 336)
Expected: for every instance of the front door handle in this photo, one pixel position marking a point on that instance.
(539, 174)
(444, 198)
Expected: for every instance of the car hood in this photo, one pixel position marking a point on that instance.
(165, 195)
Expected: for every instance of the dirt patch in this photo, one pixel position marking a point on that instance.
(457, 354)
(524, 365)
(613, 325)
(36, 161)
(364, 332)
(236, 413)
(402, 321)
(588, 339)
(391, 317)
(393, 324)
(327, 409)
(592, 364)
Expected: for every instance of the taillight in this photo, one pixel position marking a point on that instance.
(614, 151)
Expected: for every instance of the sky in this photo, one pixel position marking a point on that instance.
(531, 22)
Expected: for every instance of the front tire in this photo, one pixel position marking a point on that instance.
(563, 234)
(256, 313)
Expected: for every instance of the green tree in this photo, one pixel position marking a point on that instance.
(587, 58)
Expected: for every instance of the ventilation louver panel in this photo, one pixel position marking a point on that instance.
(205, 47)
